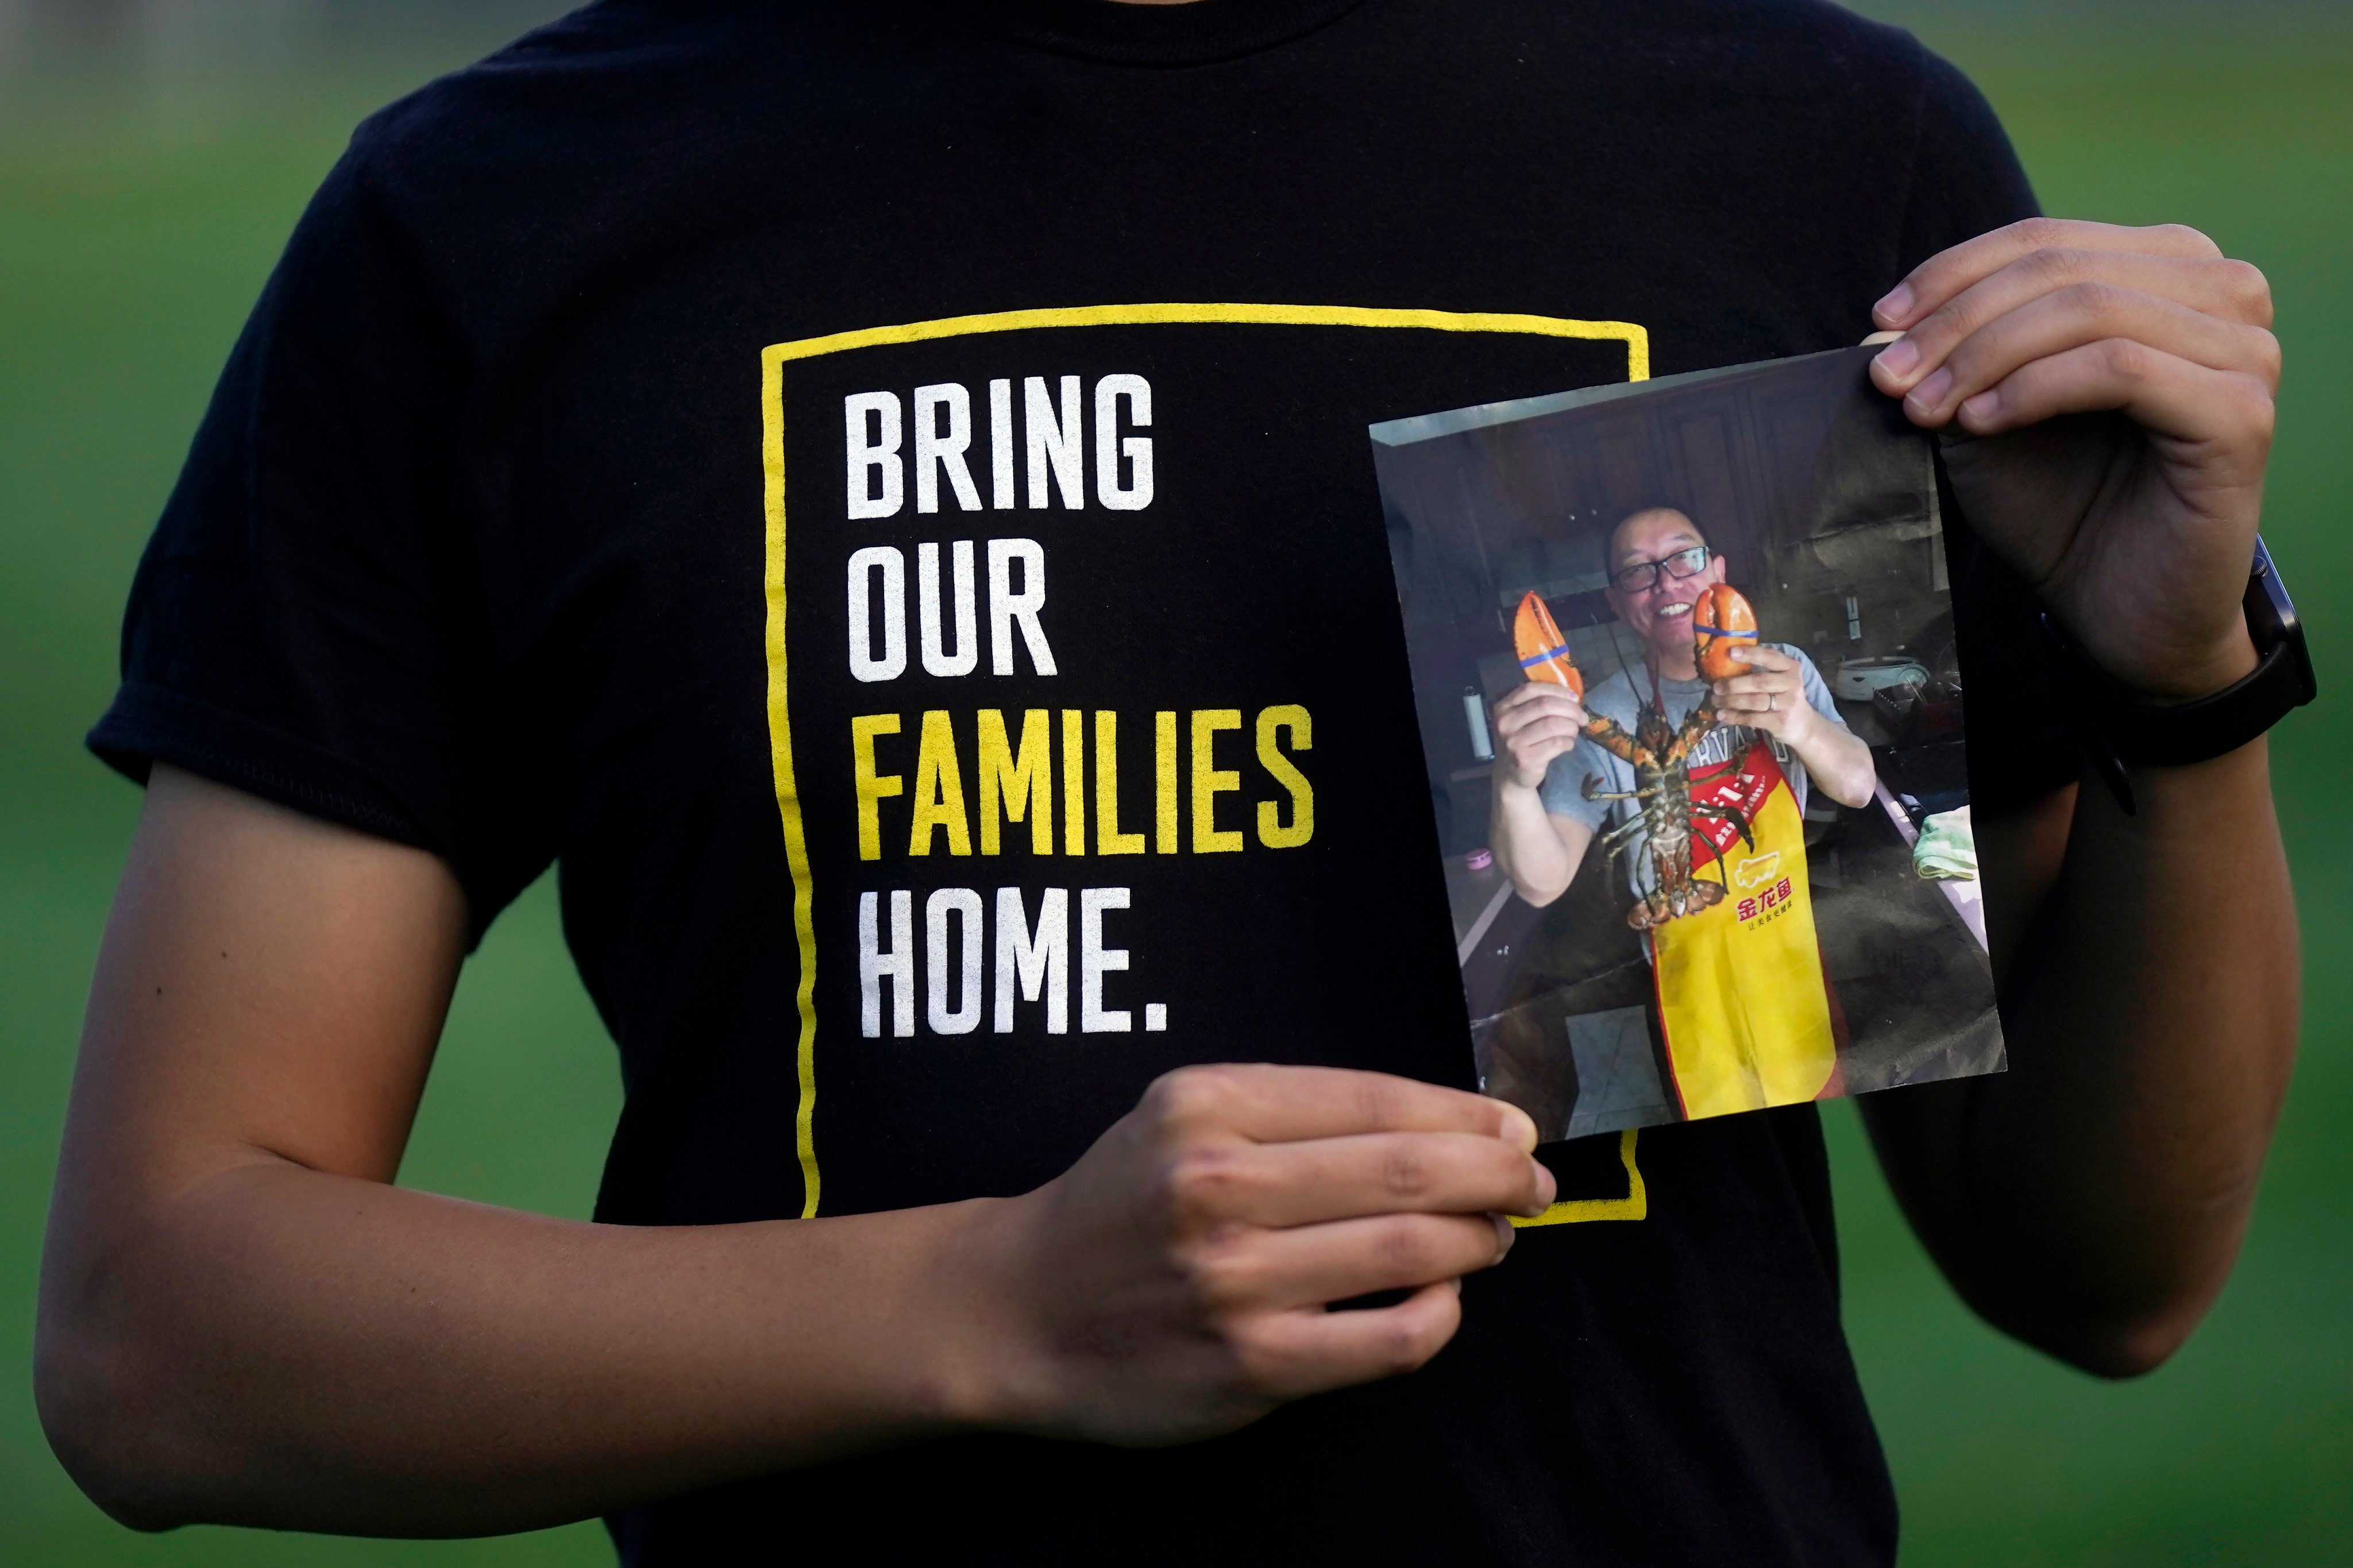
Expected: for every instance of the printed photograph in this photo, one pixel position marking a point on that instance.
(1684, 667)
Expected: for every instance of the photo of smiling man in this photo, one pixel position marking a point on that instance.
(1659, 567)
(1681, 775)
(1685, 659)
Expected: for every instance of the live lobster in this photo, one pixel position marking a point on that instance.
(1659, 752)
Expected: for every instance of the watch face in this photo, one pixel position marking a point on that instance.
(2114, 730)
(2271, 614)
(2272, 621)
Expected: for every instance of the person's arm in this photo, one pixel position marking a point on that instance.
(2091, 1200)
(1772, 698)
(1539, 850)
(243, 1321)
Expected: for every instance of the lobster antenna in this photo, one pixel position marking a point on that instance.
(1617, 644)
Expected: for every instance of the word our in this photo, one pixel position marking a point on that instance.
(949, 632)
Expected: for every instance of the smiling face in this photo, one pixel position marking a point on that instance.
(1660, 614)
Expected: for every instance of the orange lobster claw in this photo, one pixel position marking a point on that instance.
(1721, 621)
(1543, 651)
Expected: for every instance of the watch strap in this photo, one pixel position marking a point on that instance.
(2116, 727)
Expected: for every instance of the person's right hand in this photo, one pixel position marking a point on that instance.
(1534, 725)
(1175, 1283)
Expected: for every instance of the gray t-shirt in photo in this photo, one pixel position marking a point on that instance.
(1617, 698)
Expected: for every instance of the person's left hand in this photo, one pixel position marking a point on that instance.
(1770, 697)
(2120, 381)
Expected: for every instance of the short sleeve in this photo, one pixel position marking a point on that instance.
(306, 625)
(1562, 792)
(1966, 181)
(1817, 689)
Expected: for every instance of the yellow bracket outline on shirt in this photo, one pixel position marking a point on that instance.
(1635, 1204)
(773, 359)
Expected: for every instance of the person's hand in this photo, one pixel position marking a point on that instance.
(1174, 1283)
(2121, 382)
(1533, 725)
(1770, 697)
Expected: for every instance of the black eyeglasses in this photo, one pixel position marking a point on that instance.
(1640, 577)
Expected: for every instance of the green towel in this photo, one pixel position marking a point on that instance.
(1946, 848)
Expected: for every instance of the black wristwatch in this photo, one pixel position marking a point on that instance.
(2115, 727)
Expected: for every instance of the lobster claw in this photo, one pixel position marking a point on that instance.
(1721, 621)
(1543, 651)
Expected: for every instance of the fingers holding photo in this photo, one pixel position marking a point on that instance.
(1174, 1282)
(2038, 256)
(1316, 1180)
(2077, 317)
(2145, 519)
(1272, 1103)
(2156, 305)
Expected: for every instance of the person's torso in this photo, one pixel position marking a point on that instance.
(929, 517)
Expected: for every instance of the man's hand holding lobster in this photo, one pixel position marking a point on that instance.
(1534, 725)
(1769, 698)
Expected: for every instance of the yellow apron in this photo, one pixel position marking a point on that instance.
(1742, 999)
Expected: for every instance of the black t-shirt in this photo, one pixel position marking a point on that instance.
(879, 493)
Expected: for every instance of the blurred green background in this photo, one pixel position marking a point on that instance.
(153, 155)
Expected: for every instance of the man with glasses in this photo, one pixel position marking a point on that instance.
(1659, 566)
